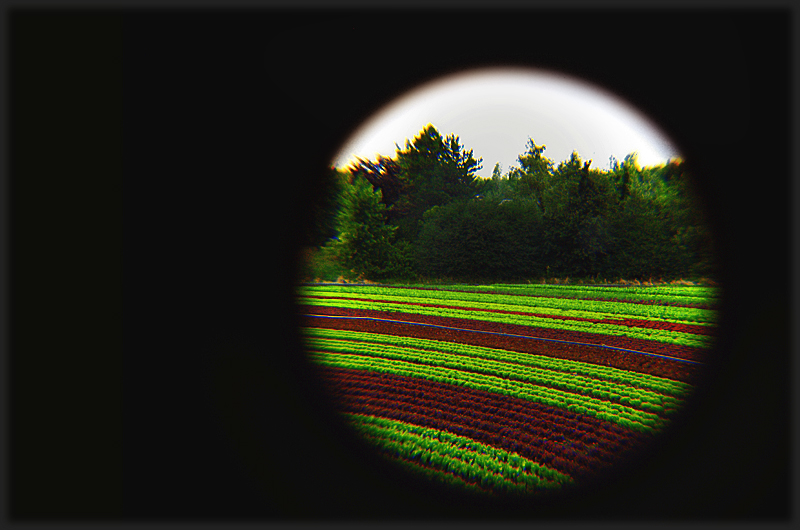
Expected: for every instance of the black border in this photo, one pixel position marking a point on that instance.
(187, 122)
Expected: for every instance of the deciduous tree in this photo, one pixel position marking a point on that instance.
(365, 239)
(534, 173)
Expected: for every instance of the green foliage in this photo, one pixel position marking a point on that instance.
(425, 213)
(480, 239)
(642, 245)
(434, 171)
(364, 243)
(324, 203)
(658, 227)
(534, 174)
(688, 224)
(383, 175)
(401, 266)
(322, 264)
(498, 189)
(496, 174)
(576, 204)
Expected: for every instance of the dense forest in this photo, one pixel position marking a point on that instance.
(425, 214)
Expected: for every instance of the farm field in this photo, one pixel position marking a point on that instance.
(508, 389)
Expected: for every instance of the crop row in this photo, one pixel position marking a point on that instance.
(616, 412)
(681, 291)
(691, 353)
(555, 306)
(501, 410)
(574, 368)
(671, 337)
(571, 443)
(635, 364)
(674, 295)
(572, 383)
(555, 314)
(473, 462)
(516, 392)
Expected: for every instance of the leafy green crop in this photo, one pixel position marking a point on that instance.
(660, 385)
(551, 306)
(672, 293)
(659, 335)
(573, 383)
(470, 460)
(594, 406)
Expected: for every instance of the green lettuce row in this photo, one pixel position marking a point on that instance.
(510, 302)
(626, 416)
(435, 475)
(555, 306)
(605, 373)
(659, 335)
(511, 466)
(467, 458)
(691, 295)
(673, 293)
(627, 395)
(576, 384)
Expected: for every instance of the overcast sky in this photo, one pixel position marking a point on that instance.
(494, 111)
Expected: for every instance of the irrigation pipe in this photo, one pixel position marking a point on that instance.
(508, 335)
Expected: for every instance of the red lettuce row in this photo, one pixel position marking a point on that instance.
(490, 468)
(589, 386)
(625, 415)
(670, 369)
(570, 443)
(509, 412)
(657, 335)
(628, 379)
(649, 346)
(695, 329)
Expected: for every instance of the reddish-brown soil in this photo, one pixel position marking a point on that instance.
(675, 370)
(641, 345)
(633, 322)
(571, 443)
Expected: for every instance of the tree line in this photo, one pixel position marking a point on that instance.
(425, 213)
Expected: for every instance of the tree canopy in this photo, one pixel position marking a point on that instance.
(426, 213)
(433, 171)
